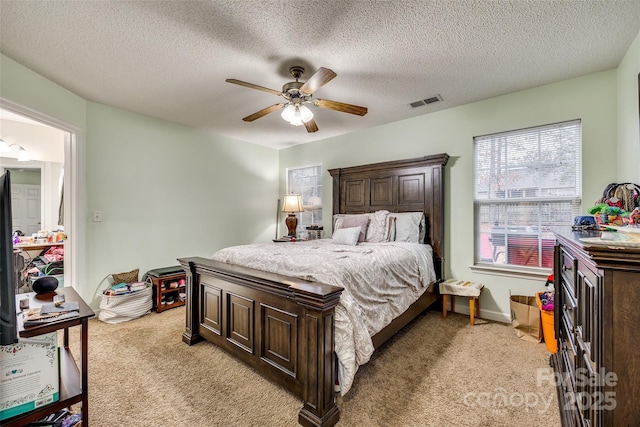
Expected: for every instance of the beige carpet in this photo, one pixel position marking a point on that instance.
(436, 372)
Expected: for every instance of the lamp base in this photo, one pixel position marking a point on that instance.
(292, 224)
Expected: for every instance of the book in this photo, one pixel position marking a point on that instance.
(615, 239)
(51, 307)
(117, 291)
(36, 317)
(139, 286)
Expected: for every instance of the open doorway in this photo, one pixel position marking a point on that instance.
(36, 149)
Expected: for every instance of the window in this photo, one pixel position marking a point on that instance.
(307, 181)
(527, 184)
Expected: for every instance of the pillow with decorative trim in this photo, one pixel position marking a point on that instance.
(378, 227)
(361, 221)
(346, 236)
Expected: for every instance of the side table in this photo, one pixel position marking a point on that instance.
(74, 379)
(462, 288)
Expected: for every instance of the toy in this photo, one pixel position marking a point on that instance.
(547, 301)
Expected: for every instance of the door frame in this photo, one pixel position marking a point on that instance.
(74, 210)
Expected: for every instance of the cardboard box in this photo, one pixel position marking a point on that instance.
(29, 375)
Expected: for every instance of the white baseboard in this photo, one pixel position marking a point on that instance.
(496, 316)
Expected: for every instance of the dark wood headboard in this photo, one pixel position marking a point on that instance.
(410, 185)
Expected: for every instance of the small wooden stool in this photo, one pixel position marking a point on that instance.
(464, 289)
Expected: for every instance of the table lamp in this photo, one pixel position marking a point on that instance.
(292, 203)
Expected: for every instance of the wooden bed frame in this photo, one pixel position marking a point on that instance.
(283, 326)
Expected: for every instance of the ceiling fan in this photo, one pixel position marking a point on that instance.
(297, 94)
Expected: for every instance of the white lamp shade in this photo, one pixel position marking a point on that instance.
(297, 120)
(297, 115)
(292, 203)
(4, 145)
(305, 114)
(288, 113)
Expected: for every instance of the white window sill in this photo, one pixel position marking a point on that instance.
(512, 271)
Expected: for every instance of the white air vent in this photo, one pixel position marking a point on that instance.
(426, 101)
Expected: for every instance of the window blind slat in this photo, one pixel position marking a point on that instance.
(527, 183)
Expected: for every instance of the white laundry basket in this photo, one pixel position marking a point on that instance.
(125, 307)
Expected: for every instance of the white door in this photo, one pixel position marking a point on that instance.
(25, 205)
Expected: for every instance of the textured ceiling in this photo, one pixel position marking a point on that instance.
(170, 59)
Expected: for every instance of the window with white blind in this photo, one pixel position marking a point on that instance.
(527, 184)
(307, 181)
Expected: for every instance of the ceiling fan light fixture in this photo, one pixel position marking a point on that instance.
(296, 114)
(288, 113)
(298, 93)
(305, 113)
(296, 121)
(23, 155)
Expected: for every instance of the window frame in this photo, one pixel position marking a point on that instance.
(509, 203)
(315, 210)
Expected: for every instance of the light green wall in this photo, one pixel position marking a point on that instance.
(31, 177)
(165, 190)
(31, 90)
(629, 116)
(591, 98)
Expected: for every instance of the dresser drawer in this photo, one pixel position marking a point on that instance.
(568, 268)
(569, 400)
(569, 304)
(568, 345)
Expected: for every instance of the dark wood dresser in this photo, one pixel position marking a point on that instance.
(597, 325)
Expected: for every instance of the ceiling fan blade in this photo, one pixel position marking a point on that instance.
(263, 112)
(320, 78)
(311, 126)
(340, 106)
(252, 86)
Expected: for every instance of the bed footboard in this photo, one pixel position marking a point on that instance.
(281, 326)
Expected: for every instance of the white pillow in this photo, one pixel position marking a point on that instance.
(346, 236)
(410, 227)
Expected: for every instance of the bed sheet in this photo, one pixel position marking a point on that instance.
(380, 281)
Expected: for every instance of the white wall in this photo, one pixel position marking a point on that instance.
(43, 143)
(629, 116)
(591, 98)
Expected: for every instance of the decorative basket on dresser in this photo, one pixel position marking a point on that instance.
(597, 325)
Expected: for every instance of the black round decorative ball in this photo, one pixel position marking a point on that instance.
(45, 284)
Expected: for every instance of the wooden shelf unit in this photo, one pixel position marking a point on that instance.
(162, 289)
(74, 381)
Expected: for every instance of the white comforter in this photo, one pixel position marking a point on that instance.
(381, 281)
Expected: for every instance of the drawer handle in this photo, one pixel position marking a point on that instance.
(565, 268)
(566, 307)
